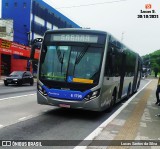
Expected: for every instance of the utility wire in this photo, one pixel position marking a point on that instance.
(92, 4)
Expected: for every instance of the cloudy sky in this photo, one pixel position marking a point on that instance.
(119, 17)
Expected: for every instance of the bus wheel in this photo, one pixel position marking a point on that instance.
(128, 92)
(111, 105)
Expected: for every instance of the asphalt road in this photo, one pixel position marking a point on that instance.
(21, 118)
(14, 90)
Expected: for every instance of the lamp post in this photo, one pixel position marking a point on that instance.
(122, 37)
(28, 61)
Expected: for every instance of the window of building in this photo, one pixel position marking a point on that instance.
(6, 4)
(37, 36)
(24, 5)
(2, 28)
(55, 27)
(49, 25)
(11, 30)
(15, 4)
(39, 20)
(31, 17)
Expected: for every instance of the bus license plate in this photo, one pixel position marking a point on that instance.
(64, 105)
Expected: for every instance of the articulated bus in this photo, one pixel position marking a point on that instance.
(85, 69)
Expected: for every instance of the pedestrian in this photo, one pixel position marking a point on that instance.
(157, 92)
(156, 71)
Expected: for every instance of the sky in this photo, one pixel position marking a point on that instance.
(118, 17)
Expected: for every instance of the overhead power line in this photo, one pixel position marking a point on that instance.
(92, 4)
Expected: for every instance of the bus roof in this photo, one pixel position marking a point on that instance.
(83, 30)
(77, 30)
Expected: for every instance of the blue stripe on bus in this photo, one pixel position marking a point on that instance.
(66, 94)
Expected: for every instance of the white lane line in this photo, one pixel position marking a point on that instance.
(1, 126)
(17, 96)
(19, 120)
(25, 118)
(98, 130)
(22, 119)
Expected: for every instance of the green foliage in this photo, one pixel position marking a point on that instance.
(152, 60)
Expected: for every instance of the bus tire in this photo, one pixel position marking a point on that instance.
(129, 90)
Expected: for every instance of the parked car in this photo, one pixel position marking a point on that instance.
(19, 78)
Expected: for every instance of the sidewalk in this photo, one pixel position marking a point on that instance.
(136, 126)
(1, 79)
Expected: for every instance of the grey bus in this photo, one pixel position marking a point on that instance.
(85, 69)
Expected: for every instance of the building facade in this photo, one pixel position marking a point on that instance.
(6, 29)
(31, 18)
(25, 20)
(14, 57)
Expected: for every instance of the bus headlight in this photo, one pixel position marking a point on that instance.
(92, 95)
(41, 90)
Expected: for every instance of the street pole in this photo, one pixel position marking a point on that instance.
(28, 61)
(122, 37)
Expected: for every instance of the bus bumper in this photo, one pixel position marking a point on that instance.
(93, 105)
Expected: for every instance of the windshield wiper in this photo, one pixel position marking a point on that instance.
(60, 57)
(80, 56)
(62, 62)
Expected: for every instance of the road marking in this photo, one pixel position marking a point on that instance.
(99, 129)
(25, 118)
(1, 126)
(20, 120)
(17, 96)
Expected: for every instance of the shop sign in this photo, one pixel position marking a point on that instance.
(8, 47)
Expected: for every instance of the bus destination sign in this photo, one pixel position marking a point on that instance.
(74, 38)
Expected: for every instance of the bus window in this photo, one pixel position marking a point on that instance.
(109, 62)
(63, 62)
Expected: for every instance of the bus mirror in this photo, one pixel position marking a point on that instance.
(37, 40)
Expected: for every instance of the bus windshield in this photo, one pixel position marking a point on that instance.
(72, 64)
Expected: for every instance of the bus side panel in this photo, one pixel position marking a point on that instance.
(134, 85)
(139, 72)
(127, 81)
(109, 82)
(109, 85)
(130, 72)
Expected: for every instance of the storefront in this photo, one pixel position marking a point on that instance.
(14, 57)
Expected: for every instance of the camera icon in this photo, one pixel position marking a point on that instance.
(6, 143)
(148, 6)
